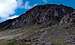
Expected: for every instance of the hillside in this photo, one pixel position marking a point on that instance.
(48, 24)
(46, 15)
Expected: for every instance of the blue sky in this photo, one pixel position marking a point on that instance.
(10, 9)
(31, 3)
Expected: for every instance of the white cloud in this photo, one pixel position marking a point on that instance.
(4, 19)
(7, 8)
(12, 17)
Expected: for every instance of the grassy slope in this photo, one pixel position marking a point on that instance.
(56, 34)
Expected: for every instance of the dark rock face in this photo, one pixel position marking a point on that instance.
(45, 15)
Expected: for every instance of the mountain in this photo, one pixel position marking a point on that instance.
(45, 15)
(48, 24)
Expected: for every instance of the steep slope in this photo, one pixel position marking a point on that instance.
(44, 15)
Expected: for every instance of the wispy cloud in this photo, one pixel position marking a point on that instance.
(28, 6)
(20, 3)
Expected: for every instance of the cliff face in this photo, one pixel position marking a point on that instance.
(49, 24)
(44, 15)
